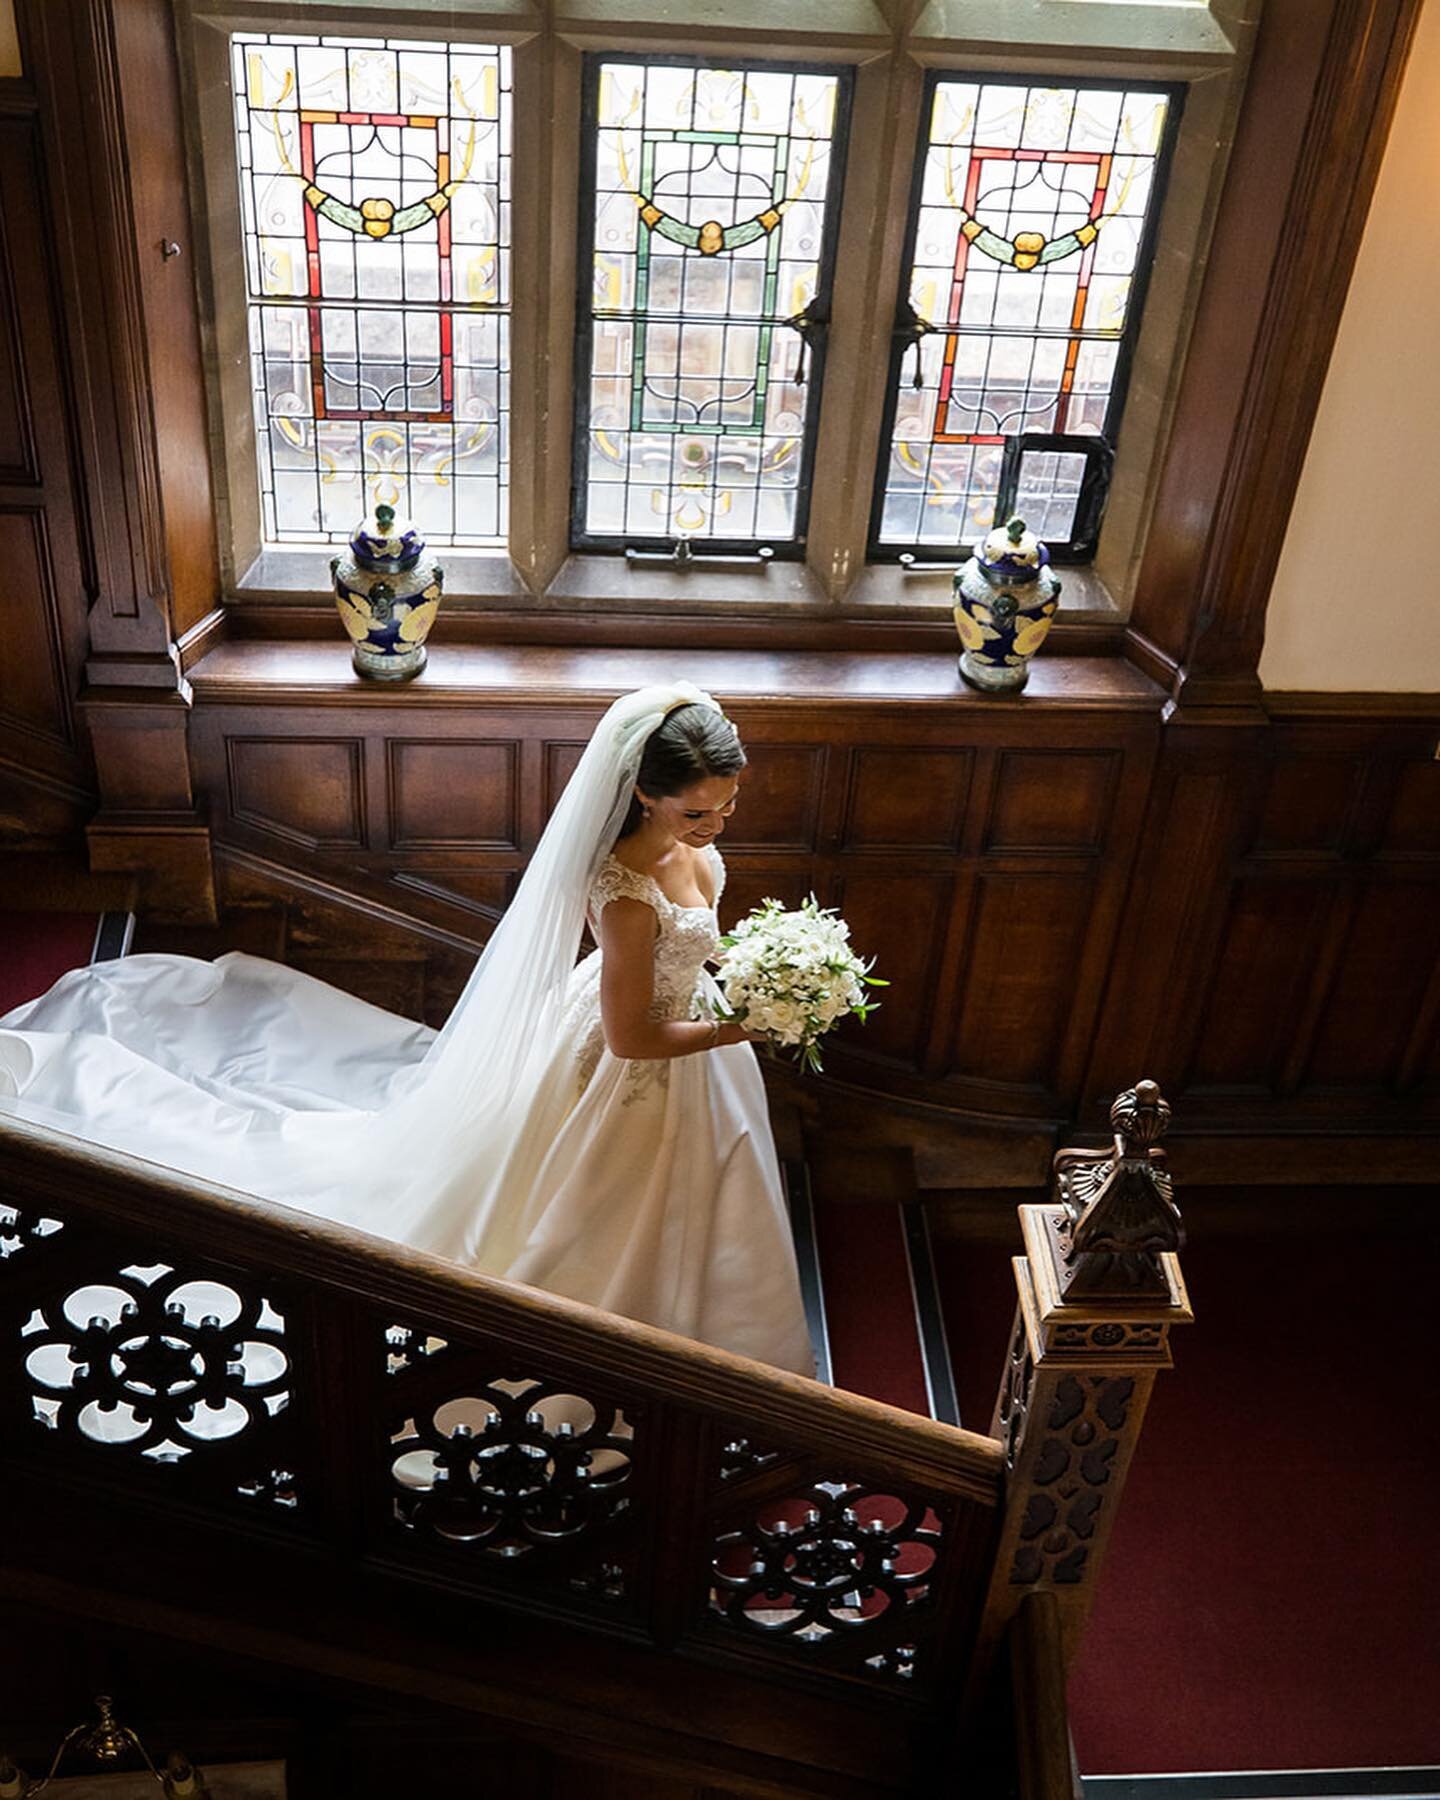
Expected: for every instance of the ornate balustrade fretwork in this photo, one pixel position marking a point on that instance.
(221, 1372)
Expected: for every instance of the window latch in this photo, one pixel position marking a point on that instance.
(911, 330)
(812, 323)
(683, 555)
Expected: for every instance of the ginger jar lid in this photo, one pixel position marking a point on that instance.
(386, 542)
(1013, 552)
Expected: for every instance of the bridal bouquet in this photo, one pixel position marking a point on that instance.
(789, 976)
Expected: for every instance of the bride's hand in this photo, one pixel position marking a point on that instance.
(736, 1034)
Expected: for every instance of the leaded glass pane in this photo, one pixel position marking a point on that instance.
(712, 221)
(1030, 238)
(375, 200)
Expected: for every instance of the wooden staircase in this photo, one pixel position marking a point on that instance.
(242, 1430)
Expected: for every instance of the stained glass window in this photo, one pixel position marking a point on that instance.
(711, 199)
(1029, 246)
(375, 194)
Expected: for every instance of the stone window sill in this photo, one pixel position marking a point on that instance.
(478, 581)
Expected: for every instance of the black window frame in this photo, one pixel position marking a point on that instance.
(907, 332)
(813, 341)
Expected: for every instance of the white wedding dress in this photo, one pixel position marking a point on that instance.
(651, 1189)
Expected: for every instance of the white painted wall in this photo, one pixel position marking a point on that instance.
(1356, 599)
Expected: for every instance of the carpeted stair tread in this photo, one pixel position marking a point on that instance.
(874, 1341)
(40, 947)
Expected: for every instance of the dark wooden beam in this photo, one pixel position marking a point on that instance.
(1320, 97)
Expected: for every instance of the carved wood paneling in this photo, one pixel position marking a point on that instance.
(1271, 938)
(1264, 936)
(307, 790)
(560, 761)
(80, 81)
(43, 599)
(455, 793)
(900, 919)
(1020, 959)
(1391, 943)
(1307, 803)
(1047, 800)
(780, 797)
(1288, 903)
(37, 705)
(1413, 824)
(895, 817)
(486, 896)
(907, 799)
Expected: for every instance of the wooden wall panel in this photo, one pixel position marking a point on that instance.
(1020, 956)
(907, 799)
(486, 896)
(309, 791)
(560, 761)
(452, 794)
(1270, 944)
(35, 698)
(900, 919)
(155, 165)
(1307, 803)
(746, 887)
(895, 813)
(1413, 824)
(1264, 940)
(43, 599)
(1284, 920)
(1392, 943)
(1052, 800)
(780, 797)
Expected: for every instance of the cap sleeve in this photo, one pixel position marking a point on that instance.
(614, 881)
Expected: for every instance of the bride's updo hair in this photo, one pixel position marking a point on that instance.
(690, 744)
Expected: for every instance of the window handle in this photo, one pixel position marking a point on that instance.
(683, 555)
(812, 323)
(910, 329)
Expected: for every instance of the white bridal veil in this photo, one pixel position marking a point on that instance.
(254, 1075)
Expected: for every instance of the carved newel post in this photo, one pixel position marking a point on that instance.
(1099, 1288)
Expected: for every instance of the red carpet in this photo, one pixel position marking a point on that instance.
(874, 1345)
(1271, 1598)
(39, 948)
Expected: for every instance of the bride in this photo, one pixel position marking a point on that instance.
(582, 1128)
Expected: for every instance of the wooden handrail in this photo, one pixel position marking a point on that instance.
(690, 1498)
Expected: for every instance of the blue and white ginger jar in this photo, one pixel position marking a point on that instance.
(1005, 600)
(388, 592)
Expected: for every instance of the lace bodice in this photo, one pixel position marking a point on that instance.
(685, 940)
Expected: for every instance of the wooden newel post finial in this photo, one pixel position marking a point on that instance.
(1099, 1287)
(1120, 1215)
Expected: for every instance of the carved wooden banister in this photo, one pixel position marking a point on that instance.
(471, 1435)
(1099, 1289)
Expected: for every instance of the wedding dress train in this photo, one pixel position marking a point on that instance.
(649, 1188)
